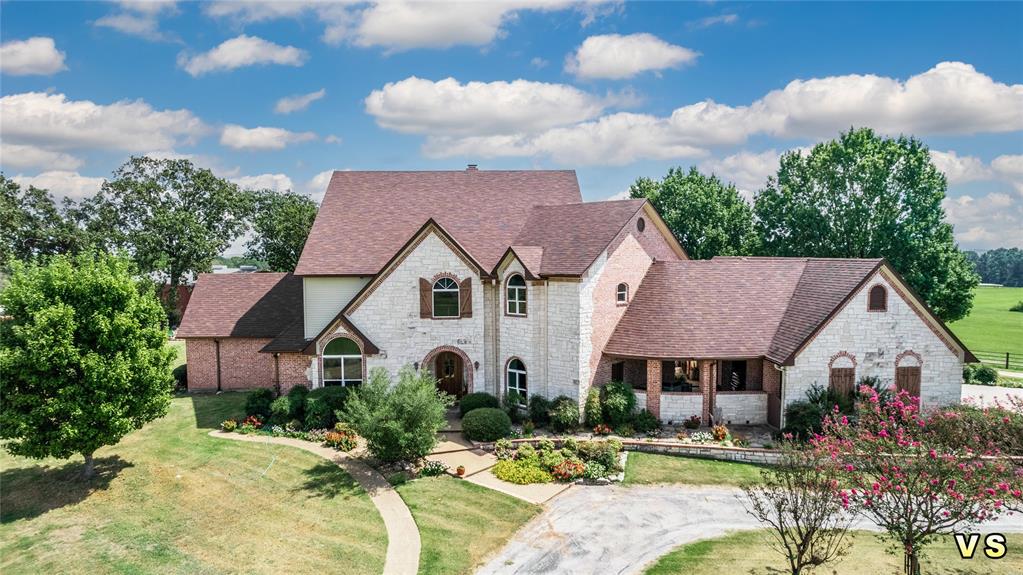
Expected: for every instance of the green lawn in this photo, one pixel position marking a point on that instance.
(749, 552)
(461, 523)
(170, 499)
(650, 468)
(991, 329)
(178, 346)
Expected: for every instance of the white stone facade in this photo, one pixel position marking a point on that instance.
(872, 341)
(740, 408)
(678, 407)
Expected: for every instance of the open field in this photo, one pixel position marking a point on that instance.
(170, 499)
(991, 329)
(749, 552)
(651, 468)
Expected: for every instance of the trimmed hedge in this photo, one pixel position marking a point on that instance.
(564, 414)
(803, 419)
(296, 398)
(320, 405)
(180, 374)
(476, 400)
(539, 407)
(619, 403)
(486, 424)
(258, 403)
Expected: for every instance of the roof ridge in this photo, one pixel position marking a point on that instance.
(788, 306)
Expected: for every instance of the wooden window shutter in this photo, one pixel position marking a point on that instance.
(465, 297)
(425, 298)
(842, 380)
(908, 379)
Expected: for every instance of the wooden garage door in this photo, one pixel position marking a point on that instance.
(908, 379)
(843, 380)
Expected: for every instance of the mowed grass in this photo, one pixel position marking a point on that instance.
(991, 327)
(750, 553)
(178, 346)
(170, 499)
(461, 523)
(651, 468)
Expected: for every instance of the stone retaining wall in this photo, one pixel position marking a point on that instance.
(719, 452)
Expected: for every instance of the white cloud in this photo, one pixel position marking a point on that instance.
(276, 182)
(959, 169)
(53, 122)
(298, 102)
(22, 156)
(332, 139)
(538, 63)
(747, 170)
(615, 56)
(448, 107)
(63, 184)
(140, 18)
(713, 21)
(37, 56)
(240, 52)
(261, 138)
(994, 220)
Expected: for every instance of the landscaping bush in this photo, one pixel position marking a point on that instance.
(504, 449)
(826, 399)
(321, 405)
(692, 423)
(258, 403)
(994, 429)
(280, 410)
(486, 424)
(645, 422)
(568, 470)
(433, 469)
(602, 452)
(521, 472)
(619, 403)
(297, 397)
(180, 374)
(593, 414)
(229, 425)
(968, 372)
(594, 470)
(476, 400)
(803, 419)
(340, 441)
(985, 375)
(564, 414)
(1018, 306)
(399, 423)
(602, 429)
(719, 432)
(512, 406)
(539, 407)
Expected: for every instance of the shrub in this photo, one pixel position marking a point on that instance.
(968, 372)
(625, 430)
(568, 470)
(571, 444)
(258, 403)
(486, 424)
(985, 375)
(399, 423)
(619, 403)
(701, 437)
(476, 400)
(528, 428)
(602, 429)
(340, 441)
(229, 425)
(280, 409)
(1018, 306)
(521, 472)
(645, 422)
(538, 408)
(321, 405)
(564, 414)
(545, 445)
(504, 449)
(602, 452)
(551, 459)
(692, 423)
(297, 397)
(803, 419)
(826, 399)
(512, 404)
(180, 374)
(593, 414)
(719, 432)
(433, 469)
(594, 470)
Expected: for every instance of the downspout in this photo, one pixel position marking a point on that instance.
(277, 373)
(216, 343)
(781, 393)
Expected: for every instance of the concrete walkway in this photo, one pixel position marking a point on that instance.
(403, 543)
(620, 530)
(988, 394)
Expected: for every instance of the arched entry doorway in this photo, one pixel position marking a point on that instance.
(448, 368)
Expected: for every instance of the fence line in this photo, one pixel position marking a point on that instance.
(1002, 359)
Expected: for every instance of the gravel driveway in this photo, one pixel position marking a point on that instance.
(605, 530)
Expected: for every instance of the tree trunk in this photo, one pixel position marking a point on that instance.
(911, 562)
(89, 470)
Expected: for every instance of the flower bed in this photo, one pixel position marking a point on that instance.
(543, 461)
(341, 438)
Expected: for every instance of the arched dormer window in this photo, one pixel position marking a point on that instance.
(877, 299)
(622, 293)
(445, 298)
(516, 295)
(342, 363)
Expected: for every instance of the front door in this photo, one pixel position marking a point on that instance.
(448, 368)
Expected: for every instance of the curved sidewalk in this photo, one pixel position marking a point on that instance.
(403, 542)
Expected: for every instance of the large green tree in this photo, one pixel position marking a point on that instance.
(708, 217)
(33, 224)
(1000, 266)
(280, 225)
(83, 359)
(172, 217)
(867, 196)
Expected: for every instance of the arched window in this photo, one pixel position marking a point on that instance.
(342, 363)
(516, 295)
(517, 380)
(622, 293)
(877, 299)
(445, 298)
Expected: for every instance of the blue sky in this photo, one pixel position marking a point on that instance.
(615, 91)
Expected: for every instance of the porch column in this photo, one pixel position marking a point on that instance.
(708, 385)
(653, 387)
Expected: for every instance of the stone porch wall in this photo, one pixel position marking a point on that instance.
(677, 407)
(742, 407)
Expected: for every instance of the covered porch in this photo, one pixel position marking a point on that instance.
(730, 391)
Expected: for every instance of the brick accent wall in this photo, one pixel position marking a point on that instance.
(241, 364)
(294, 370)
(708, 386)
(653, 387)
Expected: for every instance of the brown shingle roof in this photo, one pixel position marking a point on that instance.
(734, 307)
(574, 235)
(365, 217)
(242, 305)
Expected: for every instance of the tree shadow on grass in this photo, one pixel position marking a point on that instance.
(32, 491)
(212, 409)
(328, 481)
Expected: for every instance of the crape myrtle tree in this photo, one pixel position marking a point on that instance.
(916, 488)
(83, 359)
(172, 217)
(280, 224)
(867, 196)
(708, 217)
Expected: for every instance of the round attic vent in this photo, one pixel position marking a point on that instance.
(640, 224)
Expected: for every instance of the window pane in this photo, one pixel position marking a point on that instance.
(353, 368)
(342, 346)
(445, 304)
(331, 368)
(516, 281)
(522, 307)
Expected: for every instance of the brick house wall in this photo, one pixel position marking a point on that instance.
(241, 364)
(294, 369)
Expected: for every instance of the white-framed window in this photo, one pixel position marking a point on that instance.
(342, 363)
(516, 295)
(622, 293)
(445, 298)
(517, 380)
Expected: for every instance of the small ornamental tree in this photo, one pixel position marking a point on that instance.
(798, 499)
(83, 357)
(912, 488)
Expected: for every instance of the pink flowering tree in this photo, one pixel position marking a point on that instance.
(899, 475)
